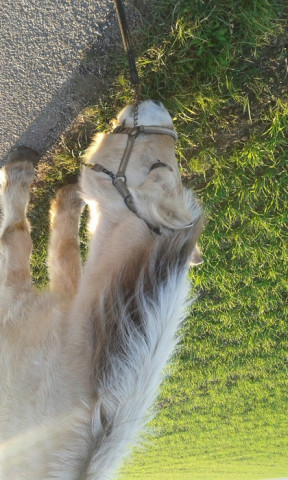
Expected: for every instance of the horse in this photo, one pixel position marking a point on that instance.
(81, 362)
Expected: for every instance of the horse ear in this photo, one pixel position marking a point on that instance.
(196, 258)
(173, 213)
(105, 147)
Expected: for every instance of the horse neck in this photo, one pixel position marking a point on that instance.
(115, 240)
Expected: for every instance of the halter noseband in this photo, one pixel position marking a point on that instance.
(119, 179)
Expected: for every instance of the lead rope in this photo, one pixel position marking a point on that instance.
(129, 49)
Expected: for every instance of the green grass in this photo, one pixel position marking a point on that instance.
(221, 69)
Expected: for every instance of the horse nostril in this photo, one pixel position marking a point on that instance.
(158, 165)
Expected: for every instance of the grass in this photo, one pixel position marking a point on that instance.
(221, 69)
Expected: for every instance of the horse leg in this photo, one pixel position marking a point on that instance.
(64, 261)
(15, 241)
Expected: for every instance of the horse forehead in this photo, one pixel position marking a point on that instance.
(149, 113)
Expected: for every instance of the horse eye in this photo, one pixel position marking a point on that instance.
(157, 165)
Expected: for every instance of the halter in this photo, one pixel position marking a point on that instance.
(119, 179)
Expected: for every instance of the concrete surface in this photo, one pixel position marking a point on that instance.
(46, 72)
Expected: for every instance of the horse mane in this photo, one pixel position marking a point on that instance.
(143, 308)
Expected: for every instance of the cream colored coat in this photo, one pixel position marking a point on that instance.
(81, 363)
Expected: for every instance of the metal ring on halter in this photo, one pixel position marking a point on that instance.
(121, 177)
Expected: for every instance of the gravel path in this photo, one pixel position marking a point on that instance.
(44, 81)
